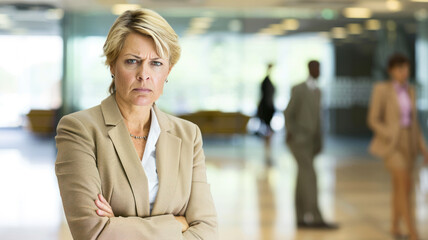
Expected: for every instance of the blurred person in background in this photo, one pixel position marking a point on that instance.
(397, 138)
(304, 138)
(265, 112)
(125, 169)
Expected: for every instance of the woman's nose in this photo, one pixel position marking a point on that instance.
(143, 73)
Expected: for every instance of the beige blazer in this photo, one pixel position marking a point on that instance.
(303, 119)
(96, 155)
(384, 119)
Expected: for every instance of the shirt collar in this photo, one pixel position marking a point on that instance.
(153, 136)
(312, 83)
(399, 86)
(154, 128)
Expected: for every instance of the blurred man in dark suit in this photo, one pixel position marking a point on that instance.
(265, 112)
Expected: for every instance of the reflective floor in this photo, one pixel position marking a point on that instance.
(253, 201)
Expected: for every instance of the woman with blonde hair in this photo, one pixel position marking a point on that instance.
(397, 138)
(125, 169)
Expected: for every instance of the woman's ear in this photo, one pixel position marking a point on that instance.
(111, 69)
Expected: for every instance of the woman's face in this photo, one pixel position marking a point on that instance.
(400, 73)
(139, 72)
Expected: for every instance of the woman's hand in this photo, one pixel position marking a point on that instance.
(183, 222)
(104, 208)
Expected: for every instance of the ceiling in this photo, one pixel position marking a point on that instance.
(249, 7)
(252, 15)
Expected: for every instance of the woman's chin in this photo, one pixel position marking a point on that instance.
(143, 102)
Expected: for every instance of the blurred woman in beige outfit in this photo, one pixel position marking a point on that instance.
(397, 138)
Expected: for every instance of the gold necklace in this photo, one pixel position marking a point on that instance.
(139, 137)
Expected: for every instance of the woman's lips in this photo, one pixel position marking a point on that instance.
(142, 90)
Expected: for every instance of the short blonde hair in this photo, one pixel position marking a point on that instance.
(145, 22)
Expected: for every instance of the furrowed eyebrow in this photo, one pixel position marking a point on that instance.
(138, 57)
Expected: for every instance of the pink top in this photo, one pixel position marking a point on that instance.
(404, 102)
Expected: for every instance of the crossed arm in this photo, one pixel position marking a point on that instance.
(105, 210)
(80, 182)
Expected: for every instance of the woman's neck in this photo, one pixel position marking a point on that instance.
(137, 118)
(399, 82)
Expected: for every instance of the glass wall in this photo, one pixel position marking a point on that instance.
(30, 75)
(220, 70)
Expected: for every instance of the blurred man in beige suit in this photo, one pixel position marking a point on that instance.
(304, 137)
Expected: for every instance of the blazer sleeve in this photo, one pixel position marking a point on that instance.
(200, 213)
(422, 147)
(320, 139)
(291, 112)
(375, 118)
(79, 183)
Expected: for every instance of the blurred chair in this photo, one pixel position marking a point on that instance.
(219, 123)
(42, 121)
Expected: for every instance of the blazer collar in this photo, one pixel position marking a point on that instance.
(168, 149)
(168, 152)
(163, 119)
(392, 91)
(113, 116)
(111, 112)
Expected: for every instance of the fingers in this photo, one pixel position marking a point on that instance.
(102, 206)
(103, 200)
(105, 209)
(102, 213)
(183, 222)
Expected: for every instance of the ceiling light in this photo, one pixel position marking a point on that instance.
(290, 24)
(55, 14)
(193, 31)
(201, 25)
(373, 24)
(421, 14)
(328, 14)
(339, 33)
(276, 26)
(394, 5)
(203, 19)
(118, 9)
(357, 12)
(420, 1)
(354, 28)
(272, 31)
(202, 22)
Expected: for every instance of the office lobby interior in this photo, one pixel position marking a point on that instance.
(52, 64)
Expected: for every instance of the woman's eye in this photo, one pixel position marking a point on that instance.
(131, 61)
(156, 63)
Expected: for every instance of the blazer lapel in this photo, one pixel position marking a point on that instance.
(128, 156)
(310, 97)
(412, 95)
(414, 126)
(167, 162)
(394, 100)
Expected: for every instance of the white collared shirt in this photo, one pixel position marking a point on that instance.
(149, 159)
(312, 83)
